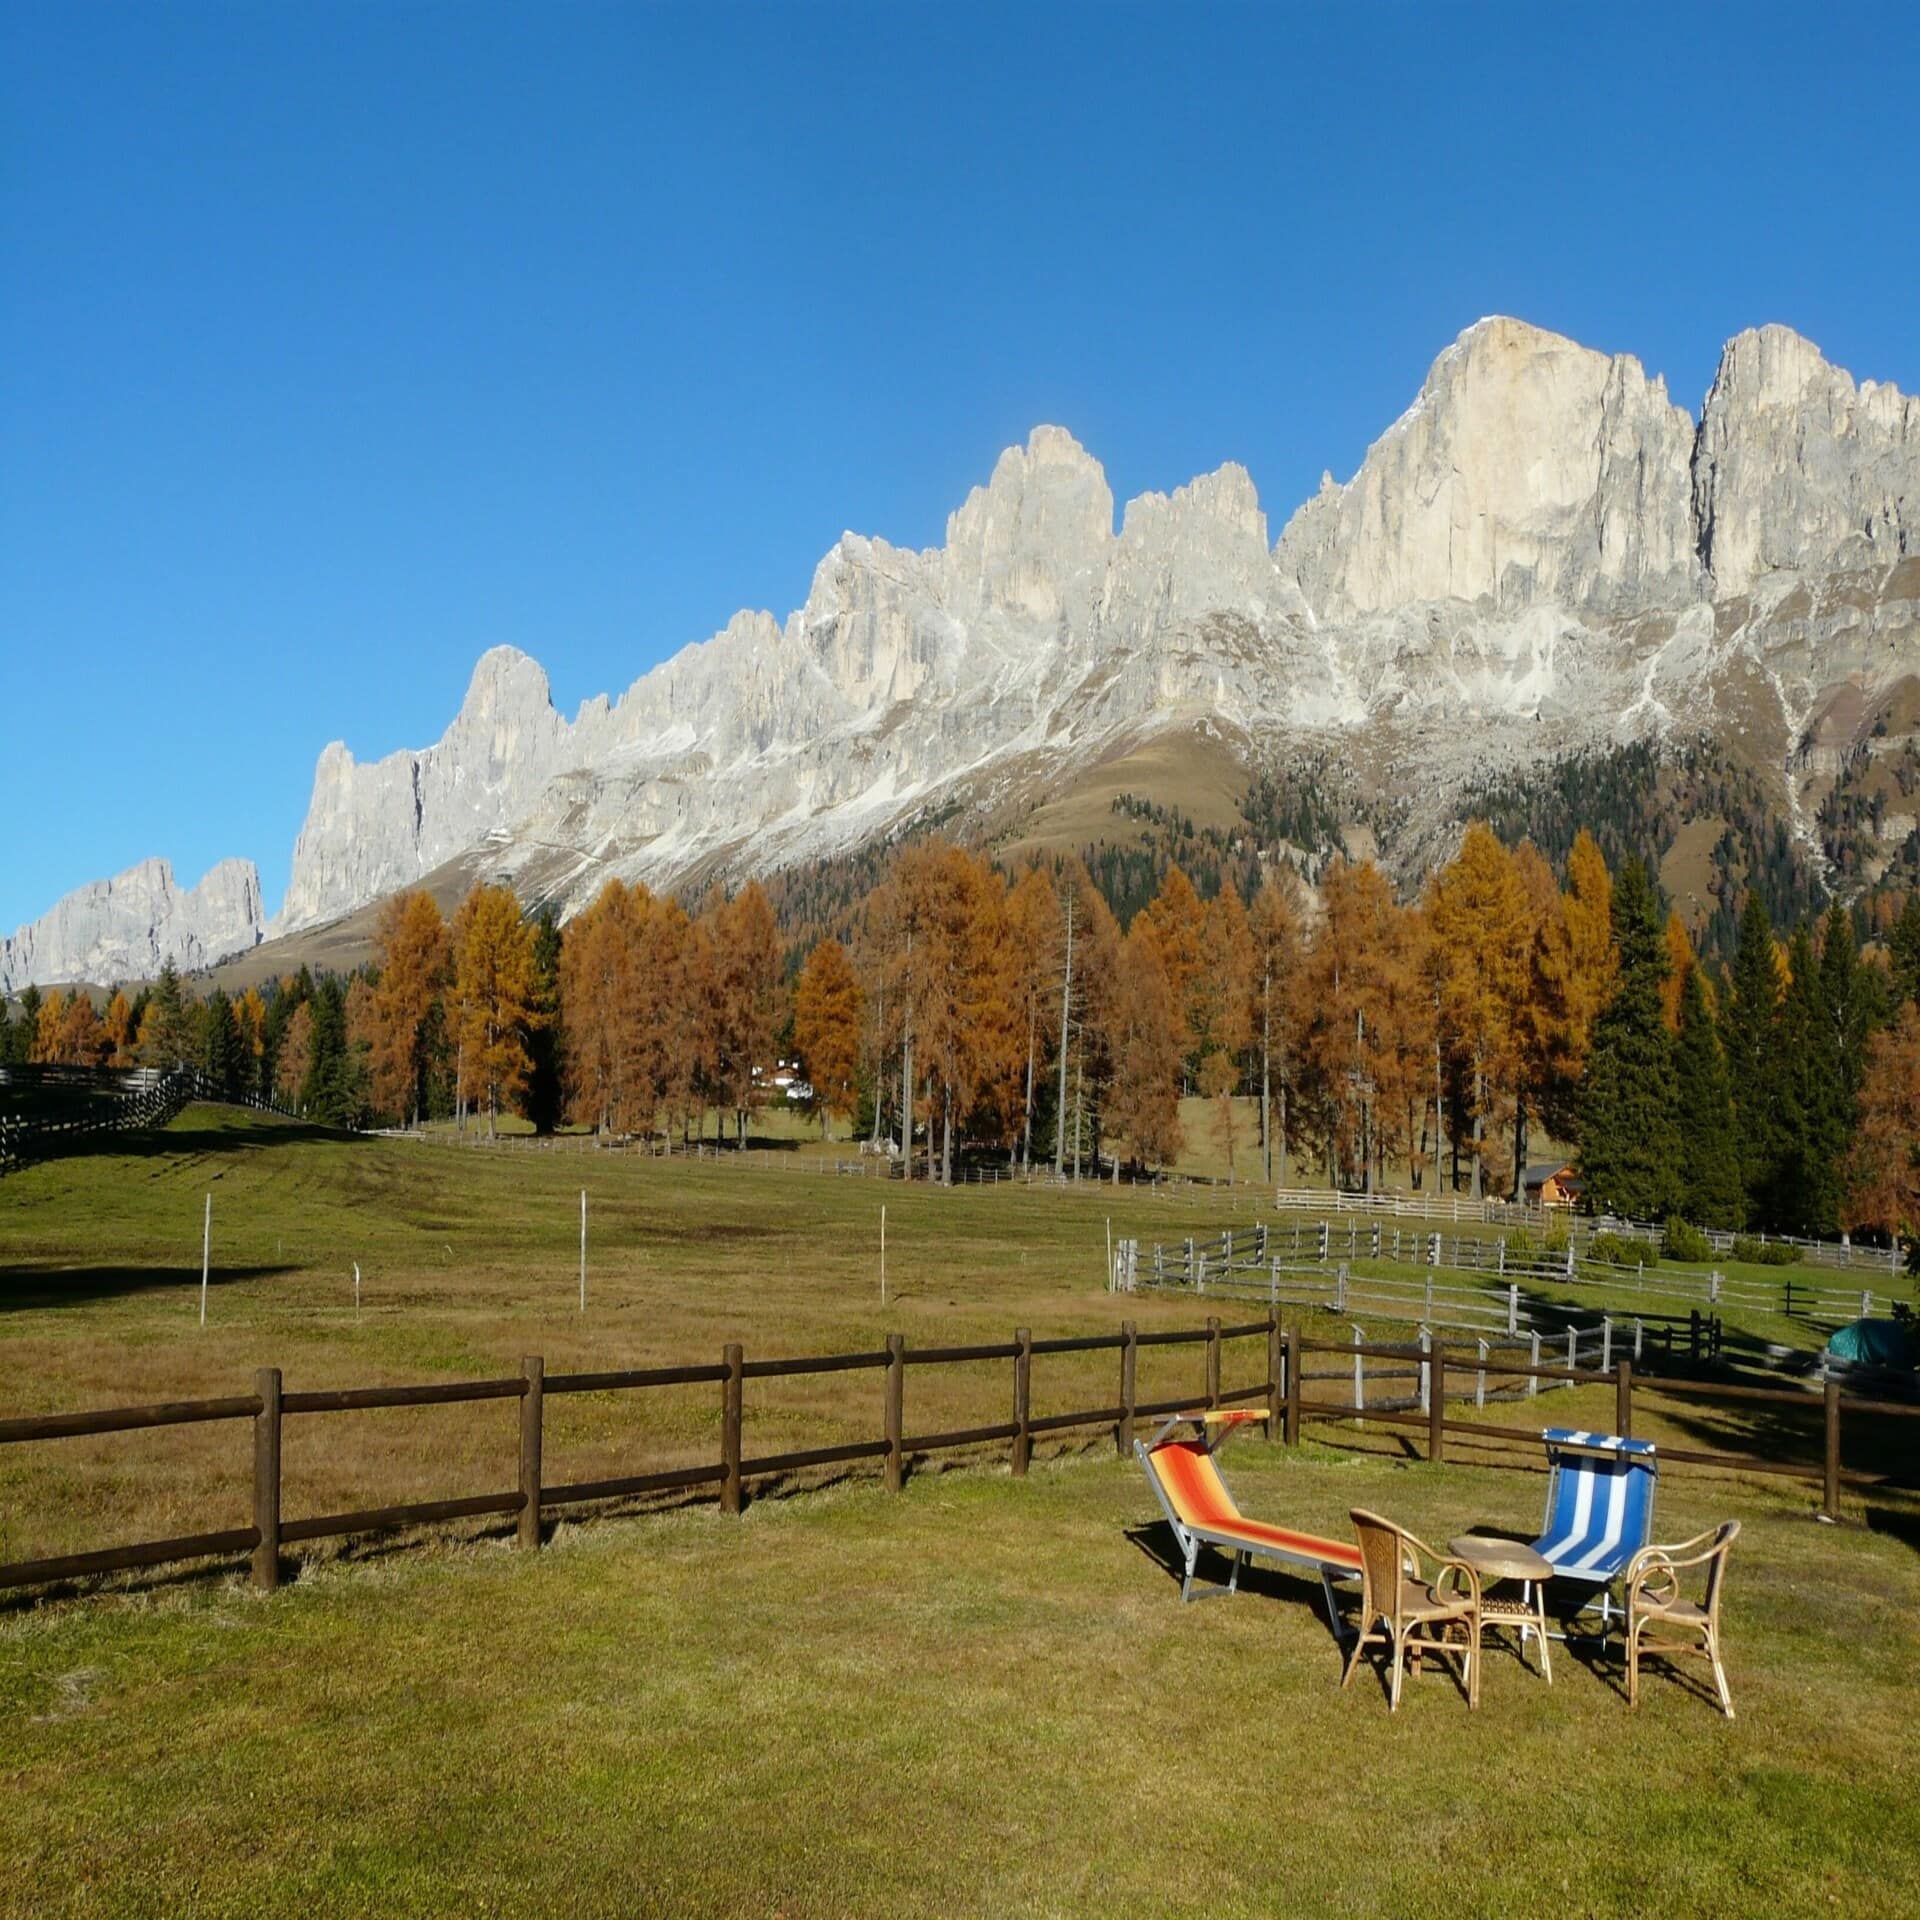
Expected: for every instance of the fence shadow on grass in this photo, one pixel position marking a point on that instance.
(31, 1284)
(235, 1136)
(1896, 1524)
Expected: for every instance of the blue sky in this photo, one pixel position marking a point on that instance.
(338, 343)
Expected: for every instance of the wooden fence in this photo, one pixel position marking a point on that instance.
(119, 1100)
(1284, 1351)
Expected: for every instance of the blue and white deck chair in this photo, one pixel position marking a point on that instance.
(1599, 1510)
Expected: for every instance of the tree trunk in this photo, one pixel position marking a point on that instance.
(1033, 1040)
(1283, 1133)
(1079, 1108)
(1479, 1125)
(906, 1099)
(1266, 1077)
(946, 1142)
(1066, 1009)
(1519, 1142)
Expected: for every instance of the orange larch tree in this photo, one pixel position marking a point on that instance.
(493, 998)
(827, 1008)
(1478, 911)
(1883, 1166)
(1143, 1044)
(1177, 924)
(410, 950)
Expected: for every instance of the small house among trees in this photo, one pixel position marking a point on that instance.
(1552, 1183)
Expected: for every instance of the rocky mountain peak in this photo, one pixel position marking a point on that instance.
(1796, 467)
(1529, 469)
(128, 927)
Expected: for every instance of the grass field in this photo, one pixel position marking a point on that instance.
(979, 1696)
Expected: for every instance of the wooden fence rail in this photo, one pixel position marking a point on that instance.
(1284, 1355)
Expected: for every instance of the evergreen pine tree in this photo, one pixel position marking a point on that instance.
(1903, 943)
(6, 1036)
(1750, 1012)
(1855, 1005)
(1805, 1197)
(328, 1093)
(541, 1100)
(1713, 1194)
(1629, 1139)
(223, 1058)
(26, 1023)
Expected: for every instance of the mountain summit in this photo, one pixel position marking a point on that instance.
(1542, 558)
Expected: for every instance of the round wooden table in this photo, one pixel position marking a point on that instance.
(1505, 1562)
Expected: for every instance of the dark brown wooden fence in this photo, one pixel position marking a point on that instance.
(528, 1502)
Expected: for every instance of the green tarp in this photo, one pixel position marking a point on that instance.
(1877, 1343)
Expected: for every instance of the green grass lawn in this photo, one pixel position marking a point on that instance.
(979, 1696)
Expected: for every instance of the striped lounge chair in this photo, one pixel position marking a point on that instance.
(1202, 1513)
(1599, 1510)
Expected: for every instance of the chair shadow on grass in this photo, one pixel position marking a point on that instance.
(1155, 1540)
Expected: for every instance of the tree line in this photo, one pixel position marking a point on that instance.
(976, 1011)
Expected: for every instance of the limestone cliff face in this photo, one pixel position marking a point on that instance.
(1529, 469)
(128, 927)
(1797, 468)
(404, 815)
(1024, 631)
(1528, 560)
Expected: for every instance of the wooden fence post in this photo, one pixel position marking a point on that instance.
(1022, 1399)
(1294, 1344)
(1830, 1492)
(731, 1395)
(1279, 1367)
(1437, 1403)
(1213, 1359)
(896, 1407)
(533, 1370)
(1129, 1349)
(266, 1479)
(1623, 1398)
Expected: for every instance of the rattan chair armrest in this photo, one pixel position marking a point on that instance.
(1676, 1557)
(1459, 1566)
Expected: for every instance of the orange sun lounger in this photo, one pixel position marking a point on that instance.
(1202, 1512)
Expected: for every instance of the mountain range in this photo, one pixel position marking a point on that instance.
(1544, 564)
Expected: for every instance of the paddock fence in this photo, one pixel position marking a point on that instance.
(1216, 1262)
(1580, 1229)
(1286, 1354)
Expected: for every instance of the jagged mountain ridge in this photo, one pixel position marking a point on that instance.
(132, 925)
(1543, 556)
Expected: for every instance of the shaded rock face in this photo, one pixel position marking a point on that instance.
(1544, 553)
(128, 927)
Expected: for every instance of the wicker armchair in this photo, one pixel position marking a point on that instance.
(1661, 1620)
(1401, 1608)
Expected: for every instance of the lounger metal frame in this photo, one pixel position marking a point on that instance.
(1192, 1539)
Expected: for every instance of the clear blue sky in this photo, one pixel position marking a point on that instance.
(339, 342)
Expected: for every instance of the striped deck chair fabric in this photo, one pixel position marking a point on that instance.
(1599, 1506)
